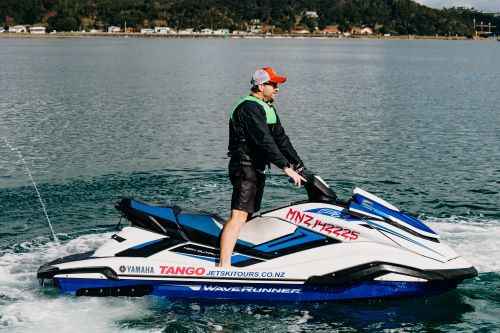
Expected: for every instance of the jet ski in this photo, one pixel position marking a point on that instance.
(319, 249)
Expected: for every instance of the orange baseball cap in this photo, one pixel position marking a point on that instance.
(266, 74)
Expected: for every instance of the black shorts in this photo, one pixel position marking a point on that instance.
(248, 187)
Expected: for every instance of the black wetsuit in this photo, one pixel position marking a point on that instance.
(253, 144)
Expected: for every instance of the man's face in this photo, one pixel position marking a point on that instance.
(269, 90)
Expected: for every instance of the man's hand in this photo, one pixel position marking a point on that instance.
(297, 179)
(299, 167)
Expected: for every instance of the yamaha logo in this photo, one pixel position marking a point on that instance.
(122, 269)
(367, 203)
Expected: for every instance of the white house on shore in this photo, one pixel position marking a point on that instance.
(147, 31)
(366, 31)
(255, 26)
(17, 29)
(162, 30)
(207, 31)
(223, 32)
(239, 32)
(189, 31)
(38, 30)
(311, 14)
(114, 29)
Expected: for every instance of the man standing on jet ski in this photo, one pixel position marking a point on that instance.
(256, 139)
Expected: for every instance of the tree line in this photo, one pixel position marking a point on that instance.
(397, 17)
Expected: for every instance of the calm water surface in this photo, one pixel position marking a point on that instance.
(415, 122)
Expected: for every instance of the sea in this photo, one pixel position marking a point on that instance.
(85, 122)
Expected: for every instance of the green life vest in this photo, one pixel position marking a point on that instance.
(270, 113)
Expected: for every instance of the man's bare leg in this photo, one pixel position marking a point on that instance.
(230, 236)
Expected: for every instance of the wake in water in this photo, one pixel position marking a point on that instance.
(25, 305)
(21, 158)
(474, 239)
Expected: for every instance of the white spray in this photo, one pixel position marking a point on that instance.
(14, 149)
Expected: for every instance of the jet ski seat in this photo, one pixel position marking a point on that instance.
(201, 227)
(197, 226)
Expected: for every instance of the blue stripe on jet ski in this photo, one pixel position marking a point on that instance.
(175, 288)
(340, 214)
(300, 236)
(401, 217)
(265, 291)
(204, 223)
(368, 213)
(402, 236)
(163, 212)
(147, 243)
(383, 211)
(239, 258)
(200, 257)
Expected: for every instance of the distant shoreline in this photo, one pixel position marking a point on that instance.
(194, 36)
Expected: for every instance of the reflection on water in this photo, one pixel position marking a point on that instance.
(411, 315)
(414, 122)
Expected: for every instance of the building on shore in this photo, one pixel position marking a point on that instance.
(366, 31)
(147, 31)
(113, 29)
(311, 14)
(356, 30)
(299, 32)
(189, 31)
(163, 30)
(331, 30)
(38, 30)
(223, 32)
(17, 29)
(255, 26)
(207, 31)
(361, 31)
(240, 32)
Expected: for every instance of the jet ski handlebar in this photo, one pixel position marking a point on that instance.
(317, 189)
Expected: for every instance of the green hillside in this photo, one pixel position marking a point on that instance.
(397, 17)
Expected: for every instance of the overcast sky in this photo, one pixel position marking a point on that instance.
(484, 5)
